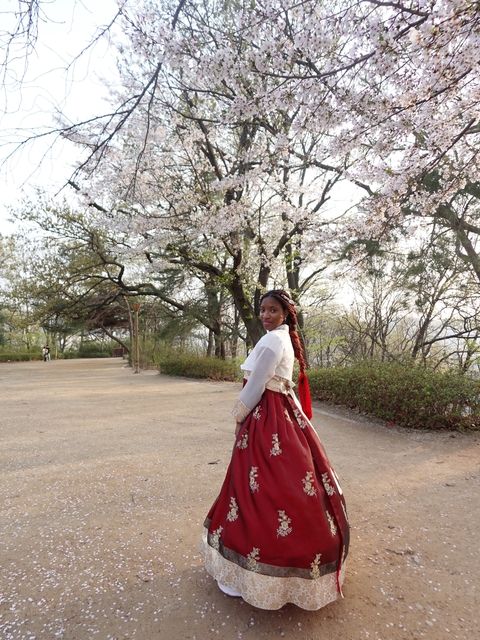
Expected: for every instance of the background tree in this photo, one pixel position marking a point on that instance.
(236, 125)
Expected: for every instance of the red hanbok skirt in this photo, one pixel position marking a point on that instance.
(278, 532)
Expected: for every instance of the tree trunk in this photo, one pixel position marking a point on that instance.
(235, 333)
(130, 329)
(252, 324)
(210, 343)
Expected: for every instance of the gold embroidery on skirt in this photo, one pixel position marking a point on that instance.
(252, 559)
(326, 483)
(233, 513)
(243, 442)
(275, 450)
(308, 485)
(333, 526)
(254, 486)
(257, 412)
(287, 416)
(215, 538)
(315, 572)
(284, 528)
(302, 423)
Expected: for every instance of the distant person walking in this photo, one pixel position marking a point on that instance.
(278, 531)
(46, 353)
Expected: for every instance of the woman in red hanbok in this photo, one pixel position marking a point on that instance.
(278, 531)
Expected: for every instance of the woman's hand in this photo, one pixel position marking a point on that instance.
(237, 428)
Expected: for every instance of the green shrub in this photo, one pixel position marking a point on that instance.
(192, 366)
(407, 395)
(68, 355)
(94, 350)
(94, 354)
(19, 356)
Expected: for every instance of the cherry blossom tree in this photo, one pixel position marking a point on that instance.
(187, 180)
(236, 122)
(396, 85)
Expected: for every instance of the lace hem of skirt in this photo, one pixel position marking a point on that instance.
(267, 592)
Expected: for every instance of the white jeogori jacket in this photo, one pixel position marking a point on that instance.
(269, 364)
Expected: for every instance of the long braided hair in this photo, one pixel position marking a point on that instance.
(288, 306)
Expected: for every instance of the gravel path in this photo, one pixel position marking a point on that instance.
(106, 476)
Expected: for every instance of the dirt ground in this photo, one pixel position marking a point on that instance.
(106, 477)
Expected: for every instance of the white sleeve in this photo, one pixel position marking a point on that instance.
(265, 365)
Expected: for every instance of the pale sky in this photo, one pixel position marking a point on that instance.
(40, 87)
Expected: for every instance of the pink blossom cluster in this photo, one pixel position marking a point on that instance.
(245, 122)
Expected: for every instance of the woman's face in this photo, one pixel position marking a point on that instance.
(272, 314)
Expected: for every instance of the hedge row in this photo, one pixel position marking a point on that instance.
(69, 355)
(19, 356)
(192, 366)
(24, 356)
(409, 396)
(406, 395)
